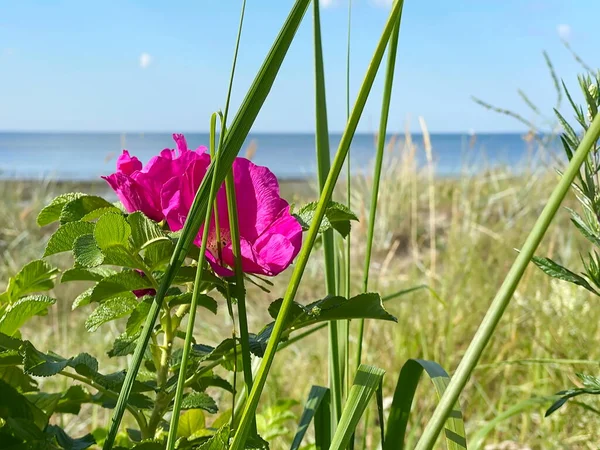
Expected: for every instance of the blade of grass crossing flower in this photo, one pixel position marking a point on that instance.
(187, 346)
(311, 235)
(323, 423)
(403, 397)
(366, 382)
(348, 242)
(323, 166)
(232, 144)
(381, 417)
(385, 110)
(313, 402)
(506, 291)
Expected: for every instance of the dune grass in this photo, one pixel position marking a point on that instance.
(468, 227)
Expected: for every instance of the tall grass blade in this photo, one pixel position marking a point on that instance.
(232, 144)
(187, 346)
(323, 166)
(323, 424)
(408, 381)
(506, 291)
(366, 382)
(385, 111)
(311, 235)
(312, 405)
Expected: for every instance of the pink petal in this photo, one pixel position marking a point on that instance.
(127, 164)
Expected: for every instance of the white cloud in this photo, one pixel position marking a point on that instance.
(8, 51)
(145, 60)
(328, 3)
(564, 31)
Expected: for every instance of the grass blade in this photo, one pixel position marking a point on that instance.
(385, 111)
(403, 398)
(367, 381)
(323, 167)
(506, 291)
(232, 144)
(312, 405)
(240, 436)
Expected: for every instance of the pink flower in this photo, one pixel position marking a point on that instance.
(139, 189)
(270, 237)
(142, 292)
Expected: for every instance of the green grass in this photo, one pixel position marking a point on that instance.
(479, 222)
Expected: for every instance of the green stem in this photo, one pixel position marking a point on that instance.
(252, 403)
(346, 328)
(187, 346)
(323, 167)
(239, 281)
(506, 291)
(385, 111)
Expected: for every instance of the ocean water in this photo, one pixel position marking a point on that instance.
(87, 156)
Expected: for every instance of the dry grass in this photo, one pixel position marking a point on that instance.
(470, 230)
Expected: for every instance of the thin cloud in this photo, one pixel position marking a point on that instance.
(564, 31)
(8, 51)
(145, 60)
(328, 3)
(382, 3)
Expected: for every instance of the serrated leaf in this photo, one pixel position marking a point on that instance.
(86, 252)
(111, 309)
(35, 276)
(120, 255)
(583, 227)
(121, 283)
(337, 216)
(112, 230)
(555, 270)
(204, 301)
(68, 443)
(199, 400)
(85, 364)
(68, 402)
(218, 441)
(63, 239)
(12, 403)
(78, 208)
(82, 299)
(96, 214)
(22, 310)
(212, 380)
(123, 345)
(138, 317)
(190, 422)
(86, 274)
(40, 364)
(144, 231)
(158, 253)
(51, 213)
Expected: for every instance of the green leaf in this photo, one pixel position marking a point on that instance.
(337, 217)
(35, 276)
(40, 364)
(86, 252)
(219, 441)
(204, 301)
(29, 431)
(63, 239)
(199, 400)
(137, 318)
(366, 382)
(312, 405)
(111, 309)
(112, 230)
(86, 274)
(120, 255)
(121, 283)
(51, 213)
(583, 227)
(82, 299)
(144, 231)
(158, 253)
(15, 377)
(97, 213)
(402, 402)
(555, 270)
(68, 402)
(13, 404)
(191, 422)
(123, 345)
(22, 310)
(67, 442)
(78, 208)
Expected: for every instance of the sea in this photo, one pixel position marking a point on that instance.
(87, 156)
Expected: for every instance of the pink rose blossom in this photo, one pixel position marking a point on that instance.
(270, 237)
(139, 189)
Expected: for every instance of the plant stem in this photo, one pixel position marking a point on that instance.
(252, 403)
(187, 346)
(385, 110)
(506, 291)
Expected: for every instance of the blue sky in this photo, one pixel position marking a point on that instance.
(163, 66)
